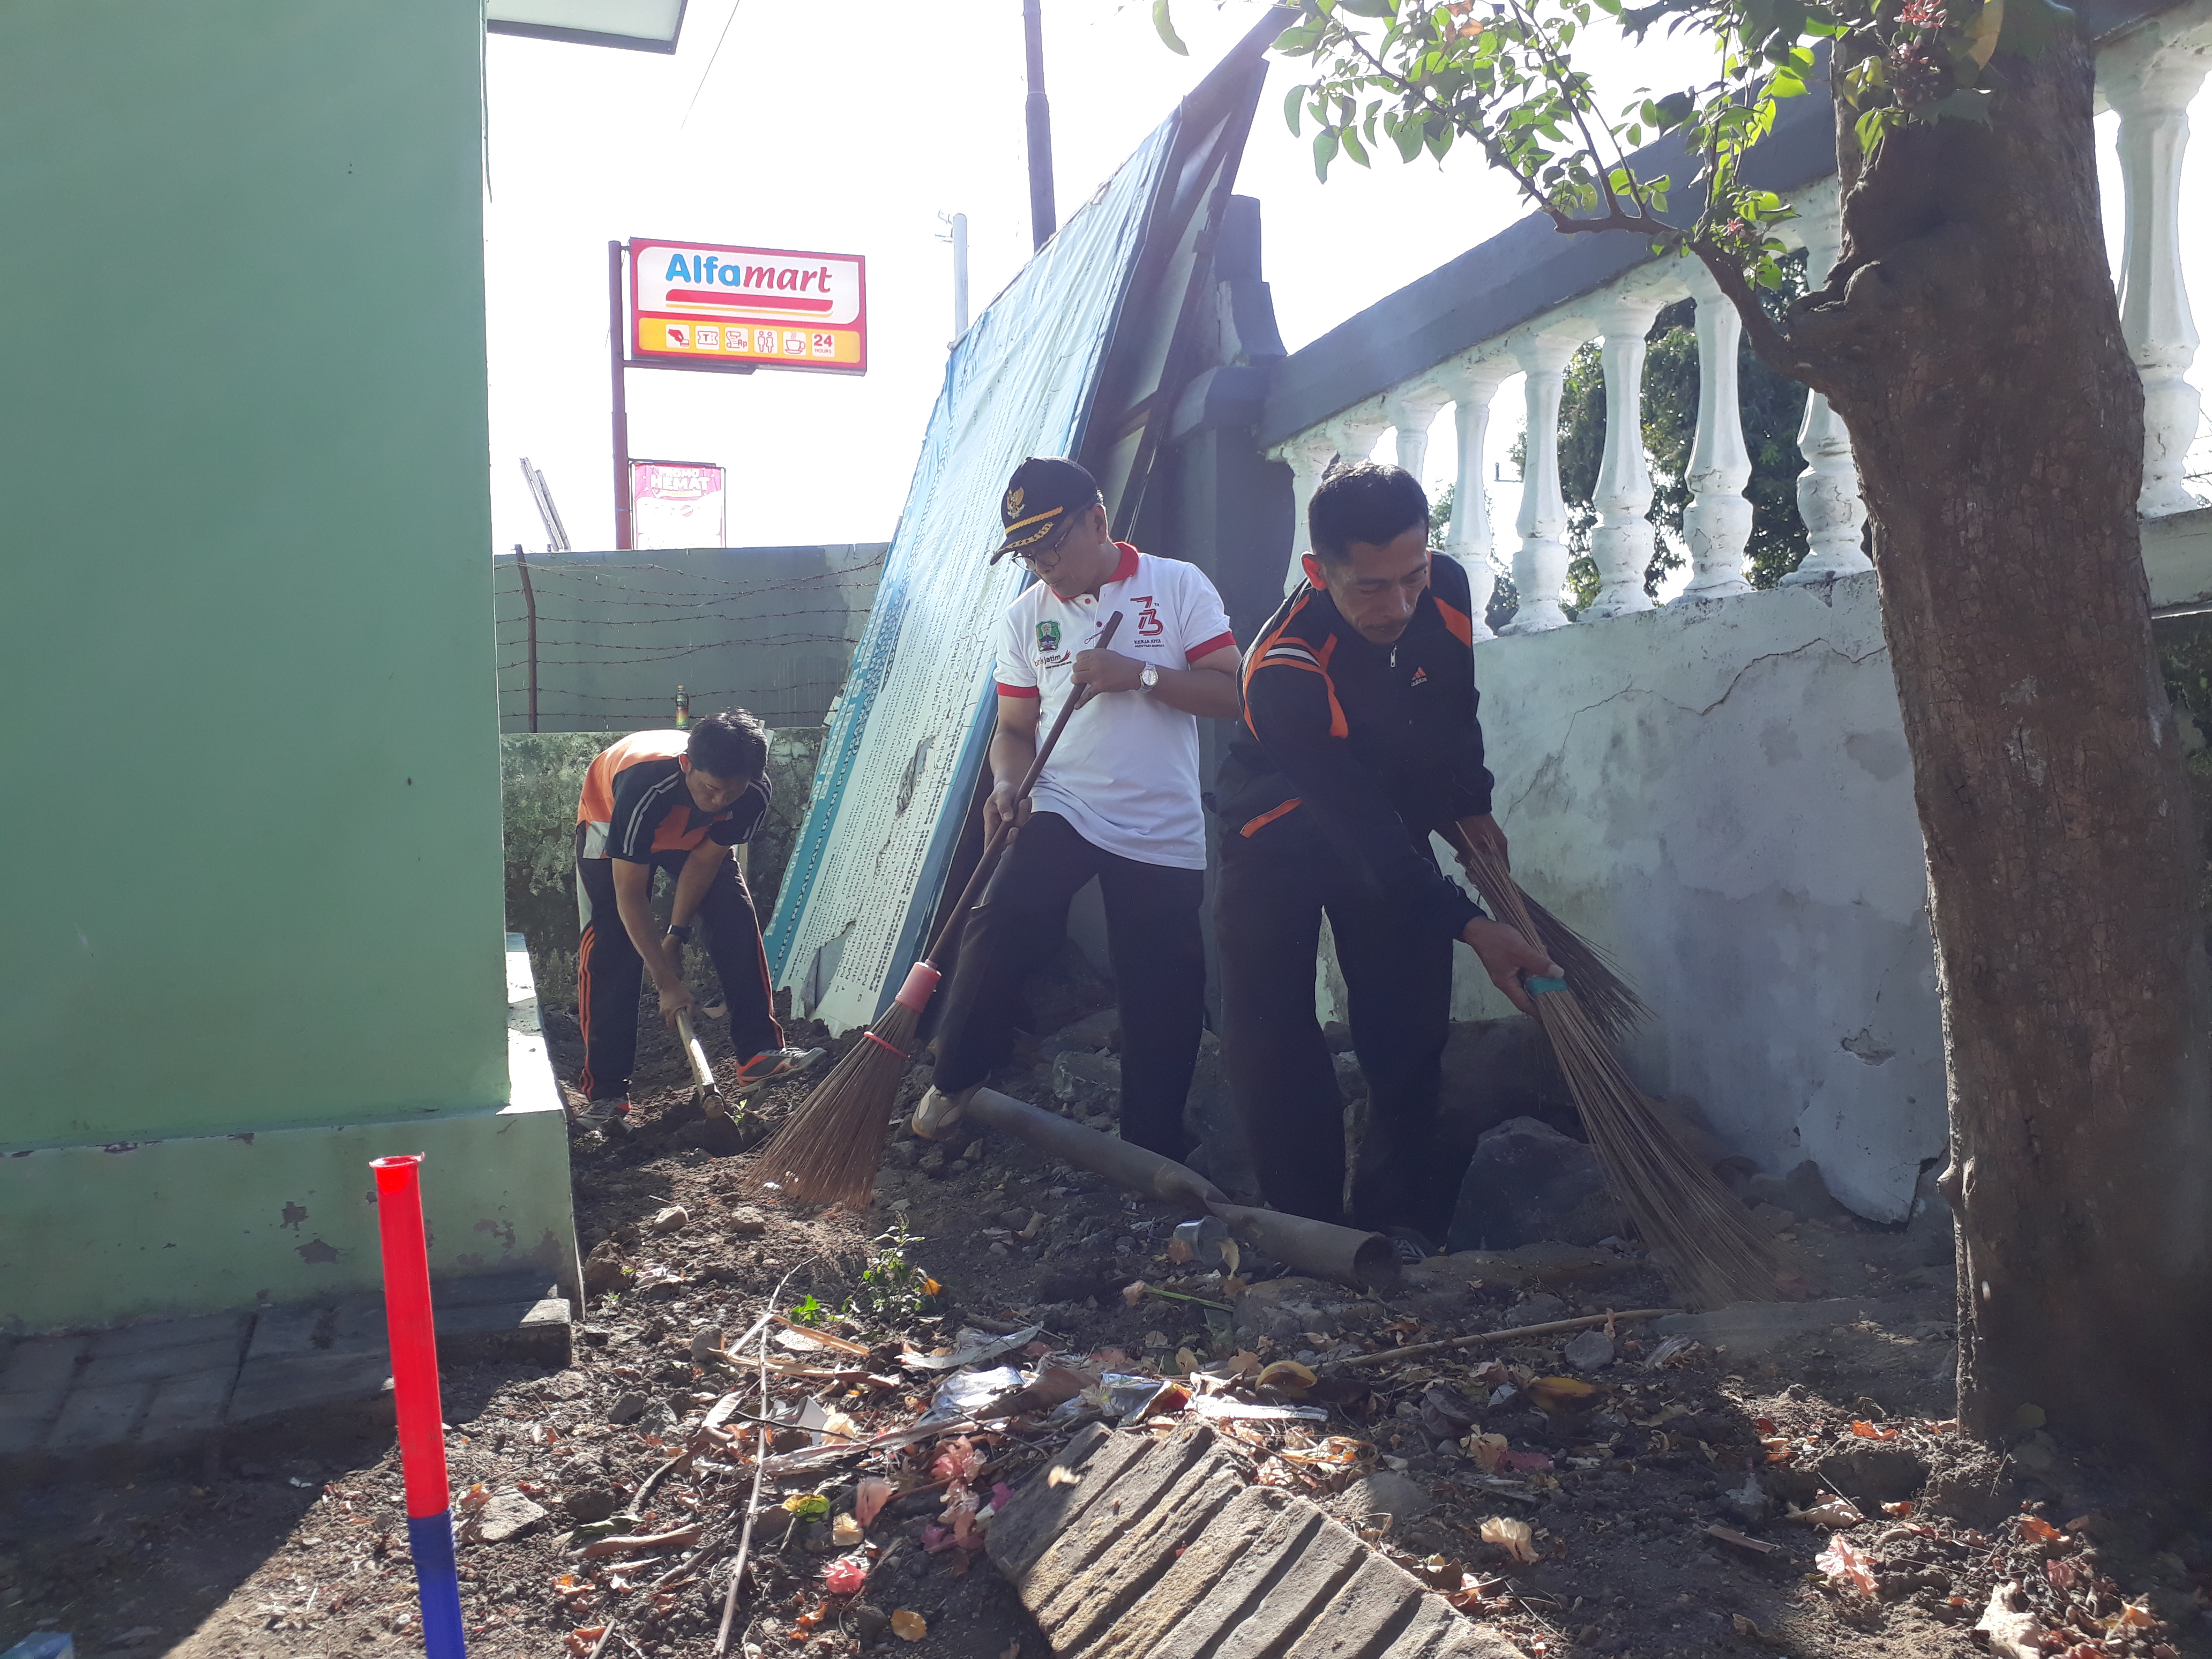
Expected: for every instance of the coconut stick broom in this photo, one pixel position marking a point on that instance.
(829, 1151)
(1677, 1206)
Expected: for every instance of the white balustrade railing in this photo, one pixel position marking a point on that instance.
(2149, 78)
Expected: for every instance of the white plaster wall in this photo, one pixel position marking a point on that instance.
(1719, 794)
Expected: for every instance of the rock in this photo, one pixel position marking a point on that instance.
(1496, 1069)
(1219, 1151)
(868, 1623)
(1446, 1413)
(1283, 1310)
(1803, 1192)
(1086, 1035)
(660, 1420)
(1540, 1309)
(1077, 1075)
(1588, 1351)
(745, 1224)
(1527, 1181)
(673, 1220)
(1751, 1501)
(510, 1515)
(604, 1270)
(588, 1504)
(1390, 1494)
(706, 1344)
(628, 1407)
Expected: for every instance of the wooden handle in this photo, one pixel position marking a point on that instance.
(702, 1072)
(999, 836)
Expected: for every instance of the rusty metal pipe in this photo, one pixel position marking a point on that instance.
(1365, 1261)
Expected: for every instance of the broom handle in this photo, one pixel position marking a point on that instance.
(1497, 885)
(996, 844)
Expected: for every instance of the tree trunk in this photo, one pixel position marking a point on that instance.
(1970, 338)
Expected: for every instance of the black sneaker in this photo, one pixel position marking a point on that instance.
(1409, 1246)
(598, 1114)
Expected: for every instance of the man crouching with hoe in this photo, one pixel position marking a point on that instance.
(674, 803)
(1118, 799)
(1359, 740)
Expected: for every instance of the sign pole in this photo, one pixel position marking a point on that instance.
(617, 349)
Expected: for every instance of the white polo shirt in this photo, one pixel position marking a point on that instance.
(1125, 772)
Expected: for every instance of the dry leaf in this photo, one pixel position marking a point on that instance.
(1486, 1449)
(2011, 1630)
(845, 1530)
(1730, 1535)
(1829, 1512)
(909, 1626)
(1869, 1431)
(2136, 1616)
(1555, 1394)
(1134, 1293)
(1286, 1374)
(1845, 1564)
(873, 1492)
(2036, 1530)
(1516, 1537)
(1903, 1507)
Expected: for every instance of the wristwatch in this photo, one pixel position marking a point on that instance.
(1149, 677)
(682, 935)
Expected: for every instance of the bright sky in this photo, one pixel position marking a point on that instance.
(848, 130)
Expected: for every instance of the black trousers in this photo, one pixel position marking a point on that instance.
(1159, 970)
(609, 970)
(1275, 887)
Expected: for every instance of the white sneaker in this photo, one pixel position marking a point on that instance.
(937, 1115)
(772, 1063)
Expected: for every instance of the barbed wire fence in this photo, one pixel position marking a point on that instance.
(601, 642)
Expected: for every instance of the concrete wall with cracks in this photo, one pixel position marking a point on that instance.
(1719, 793)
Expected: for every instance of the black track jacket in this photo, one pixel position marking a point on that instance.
(1371, 747)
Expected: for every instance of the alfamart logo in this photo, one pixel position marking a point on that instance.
(709, 305)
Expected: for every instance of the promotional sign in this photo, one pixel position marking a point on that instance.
(701, 304)
(676, 504)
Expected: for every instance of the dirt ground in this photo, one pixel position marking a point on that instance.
(1652, 1490)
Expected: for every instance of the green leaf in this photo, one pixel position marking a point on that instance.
(1165, 25)
(1387, 8)
(1291, 108)
(1324, 148)
(1354, 149)
(1964, 105)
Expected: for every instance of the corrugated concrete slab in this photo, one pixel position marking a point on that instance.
(1130, 1545)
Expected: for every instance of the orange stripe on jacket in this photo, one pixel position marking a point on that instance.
(1460, 624)
(1268, 817)
(1259, 650)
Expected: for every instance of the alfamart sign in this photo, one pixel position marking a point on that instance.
(701, 304)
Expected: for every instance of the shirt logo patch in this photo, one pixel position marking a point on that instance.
(1420, 676)
(1048, 636)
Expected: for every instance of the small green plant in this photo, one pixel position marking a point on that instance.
(809, 1312)
(892, 1288)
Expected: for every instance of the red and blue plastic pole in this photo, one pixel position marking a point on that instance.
(414, 1388)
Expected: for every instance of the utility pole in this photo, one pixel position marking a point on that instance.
(1043, 221)
(957, 235)
(617, 350)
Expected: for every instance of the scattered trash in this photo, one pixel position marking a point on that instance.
(1750, 1500)
(845, 1531)
(1671, 1349)
(1222, 1408)
(845, 1575)
(46, 1644)
(1517, 1538)
(807, 1506)
(970, 1348)
(1846, 1564)
(2008, 1625)
(909, 1626)
(965, 1394)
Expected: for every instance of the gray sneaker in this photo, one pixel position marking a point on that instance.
(598, 1114)
(937, 1114)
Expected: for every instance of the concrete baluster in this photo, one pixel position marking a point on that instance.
(1622, 543)
(1409, 413)
(1470, 388)
(1308, 454)
(1357, 431)
(1540, 567)
(2150, 81)
(1828, 499)
(1717, 523)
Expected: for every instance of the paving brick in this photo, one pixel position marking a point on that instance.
(43, 1366)
(1112, 1583)
(1437, 1633)
(310, 1328)
(1236, 1591)
(298, 1381)
(1321, 1566)
(1226, 1539)
(1124, 1503)
(532, 1330)
(1058, 1494)
(1363, 1618)
(144, 1363)
(151, 1336)
(23, 1419)
(92, 1417)
(187, 1408)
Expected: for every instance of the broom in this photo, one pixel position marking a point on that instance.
(1610, 1001)
(829, 1151)
(1675, 1203)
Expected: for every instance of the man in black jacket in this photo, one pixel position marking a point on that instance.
(1360, 738)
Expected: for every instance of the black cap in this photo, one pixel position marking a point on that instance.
(1045, 492)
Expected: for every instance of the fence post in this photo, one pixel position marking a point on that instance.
(530, 615)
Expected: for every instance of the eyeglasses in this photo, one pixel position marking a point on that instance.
(1043, 560)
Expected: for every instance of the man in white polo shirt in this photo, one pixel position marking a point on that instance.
(1118, 800)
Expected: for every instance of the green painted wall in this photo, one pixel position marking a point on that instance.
(245, 681)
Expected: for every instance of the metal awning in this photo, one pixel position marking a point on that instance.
(634, 25)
